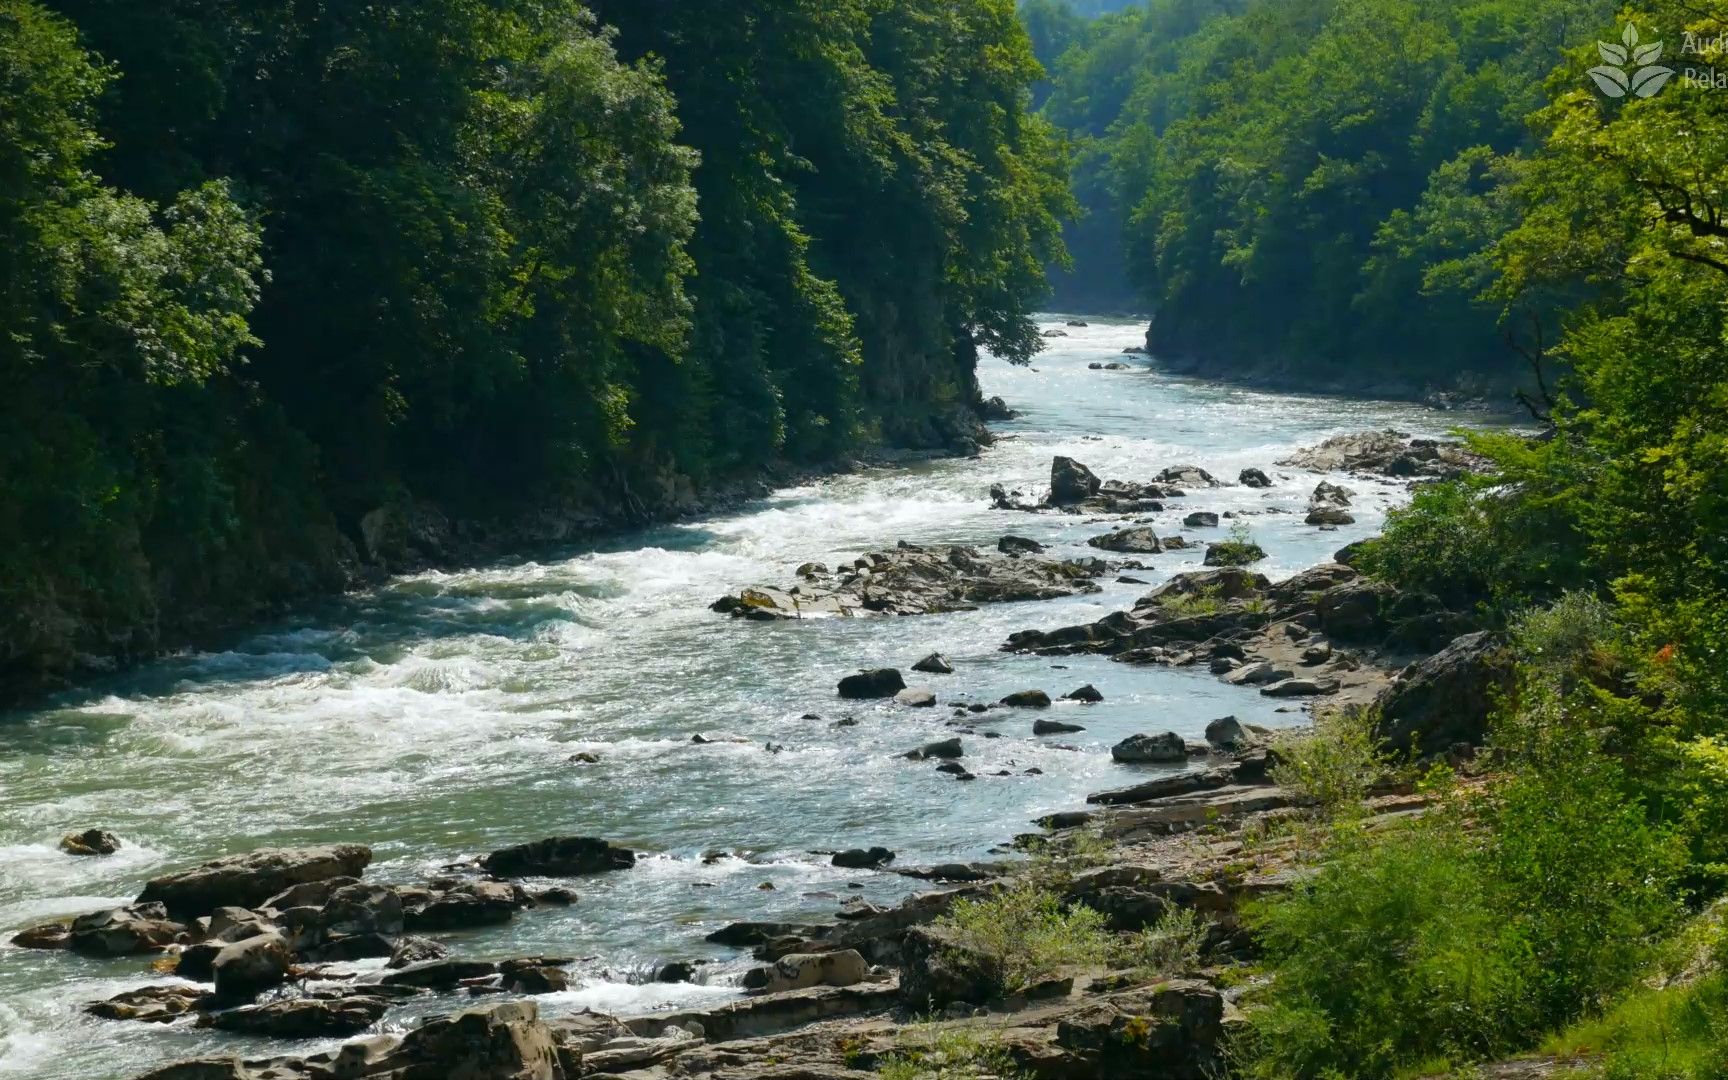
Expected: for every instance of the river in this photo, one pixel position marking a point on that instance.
(434, 717)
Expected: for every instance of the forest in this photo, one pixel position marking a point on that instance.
(275, 270)
(1467, 188)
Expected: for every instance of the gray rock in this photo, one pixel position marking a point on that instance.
(90, 842)
(1054, 727)
(876, 683)
(304, 1018)
(249, 880)
(934, 664)
(1449, 697)
(863, 858)
(1088, 694)
(1227, 733)
(1300, 688)
(1140, 540)
(1071, 482)
(1164, 747)
(917, 697)
(941, 748)
(559, 856)
(1018, 545)
(245, 968)
(1201, 519)
(1329, 515)
(1027, 699)
(123, 931)
(797, 971)
(1254, 478)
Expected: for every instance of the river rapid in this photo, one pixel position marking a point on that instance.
(434, 718)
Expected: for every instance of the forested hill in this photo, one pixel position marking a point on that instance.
(1313, 188)
(286, 284)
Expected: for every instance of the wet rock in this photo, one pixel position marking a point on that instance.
(1254, 478)
(363, 909)
(469, 904)
(584, 757)
(956, 770)
(938, 968)
(941, 748)
(533, 976)
(1447, 698)
(1327, 493)
(124, 931)
(559, 856)
(443, 974)
(1227, 733)
(1164, 747)
(1139, 540)
(1071, 482)
(505, 1041)
(250, 880)
(1386, 453)
(1018, 545)
(1187, 476)
(917, 697)
(678, 971)
(1201, 519)
(863, 858)
(797, 971)
(150, 1004)
(1300, 688)
(55, 935)
(934, 664)
(997, 409)
(1225, 583)
(304, 1018)
(1088, 694)
(1329, 515)
(1027, 699)
(1259, 673)
(245, 968)
(90, 842)
(875, 683)
(811, 569)
(1054, 727)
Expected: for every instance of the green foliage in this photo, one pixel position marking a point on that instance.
(1334, 762)
(1170, 947)
(495, 256)
(947, 1054)
(1029, 934)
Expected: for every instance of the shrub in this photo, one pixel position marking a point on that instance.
(951, 1054)
(1335, 762)
(1170, 947)
(1029, 934)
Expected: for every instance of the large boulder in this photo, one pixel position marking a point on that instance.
(1355, 610)
(1027, 699)
(1187, 476)
(469, 904)
(1254, 478)
(1329, 515)
(304, 1018)
(1175, 1032)
(245, 968)
(934, 664)
(1139, 540)
(1164, 747)
(863, 858)
(876, 683)
(249, 880)
(939, 969)
(796, 971)
(506, 1041)
(90, 842)
(1446, 699)
(1071, 482)
(123, 931)
(560, 856)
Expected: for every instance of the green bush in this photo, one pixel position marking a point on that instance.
(950, 1054)
(1029, 934)
(1333, 763)
(1170, 947)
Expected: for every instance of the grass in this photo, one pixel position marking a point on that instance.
(1677, 1033)
(1334, 763)
(1168, 948)
(948, 1054)
(1028, 934)
(1205, 600)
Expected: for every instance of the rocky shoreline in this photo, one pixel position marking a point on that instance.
(261, 943)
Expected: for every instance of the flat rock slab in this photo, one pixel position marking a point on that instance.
(249, 880)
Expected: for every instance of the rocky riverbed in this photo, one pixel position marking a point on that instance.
(644, 837)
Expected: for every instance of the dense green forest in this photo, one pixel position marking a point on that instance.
(1384, 186)
(288, 283)
(1336, 168)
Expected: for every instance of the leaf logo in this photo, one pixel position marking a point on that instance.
(1630, 68)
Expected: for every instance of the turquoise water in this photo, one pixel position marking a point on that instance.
(433, 718)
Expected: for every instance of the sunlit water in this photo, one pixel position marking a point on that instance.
(433, 719)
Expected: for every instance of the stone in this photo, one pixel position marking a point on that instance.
(1027, 699)
(505, 1041)
(251, 879)
(941, 748)
(994, 408)
(469, 904)
(1189, 475)
(304, 1018)
(934, 664)
(1233, 553)
(1071, 482)
(1140, 540)
(439, 974)
(1018, 545)
(90, 842)
(363, 909)
(1327, 493)
(939, 968)
(1201, 519)
(917, 697)
(1259, 673)
(862, 858)
(1300, 688)
(1329, 515)
(124, 931)
(149, 1004)
(245, 968)
(678, 971)
(798, 971)
(1447, 698)
(1354, 611)
(1087, 694)
(1161, 748)
(1254, 478)
(415, 950)
(1054, 727)
(1227, 733)
(47, 936)
(535, 979)
(559, 856)
(876, 683)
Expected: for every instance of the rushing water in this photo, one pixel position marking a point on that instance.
(434, 718)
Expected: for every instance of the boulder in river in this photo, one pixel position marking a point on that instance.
(862, 858)
(1055, 727)
(245, 968)
(917, 697)
(1227, 733)
(1087, 694)
(1233, 553)
(798, 971)
(559, 856)
(1254, 478)
(1071, 482)
(1386, 453)
(90, 842)
(1201, 519)
(1018, 545)
(249, 880)
(1187, 476)
(1329, 515)
(872, 683)
(941, 748)
(1027, 699)
(1161, 748)
(1139, 540)
(995, 408)
(934, 664)
(305, 1018)
(123, 931)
